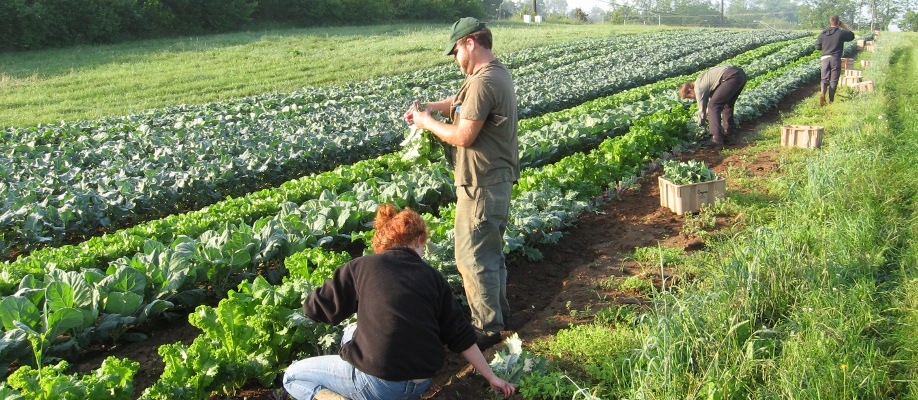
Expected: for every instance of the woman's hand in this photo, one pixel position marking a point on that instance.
(502, 387)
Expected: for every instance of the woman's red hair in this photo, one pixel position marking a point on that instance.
(394, 228)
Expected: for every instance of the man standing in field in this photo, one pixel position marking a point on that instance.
(716, 91)
(485, 162)
(832, 42)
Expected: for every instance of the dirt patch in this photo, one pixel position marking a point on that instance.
(550, 294)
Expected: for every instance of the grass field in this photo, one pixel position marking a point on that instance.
(87, 82)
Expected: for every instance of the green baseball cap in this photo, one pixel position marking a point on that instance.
(462, 28)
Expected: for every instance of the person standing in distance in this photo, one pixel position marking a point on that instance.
(716, 91)
(831, 42)
(481, 143)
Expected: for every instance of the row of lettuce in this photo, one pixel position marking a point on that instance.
(67, 181)
(261, 319)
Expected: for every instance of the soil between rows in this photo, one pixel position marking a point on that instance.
(543, 293)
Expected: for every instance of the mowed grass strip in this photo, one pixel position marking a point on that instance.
(87, 82)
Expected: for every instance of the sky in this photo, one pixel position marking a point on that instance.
(586, 5)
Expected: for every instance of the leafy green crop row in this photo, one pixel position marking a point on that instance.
(68, 180)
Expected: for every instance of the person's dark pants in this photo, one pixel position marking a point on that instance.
(721, 123)
(830, 71)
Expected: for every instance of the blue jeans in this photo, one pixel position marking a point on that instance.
(306, 377)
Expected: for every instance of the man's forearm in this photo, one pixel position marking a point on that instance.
(441, 106)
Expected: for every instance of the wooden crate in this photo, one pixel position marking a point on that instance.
(689, 198)
(854, 73)
(805, 136)
(866, 63)
(865, 86)
(849, 80)
(870, 48)
(847, 63)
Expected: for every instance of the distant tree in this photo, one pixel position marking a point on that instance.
(781, 14)
(526, 6)
(598, 15)
(885, 11)
(694, 12)
(909, 22)
(509, 8)
(579, 15)
(814, 14)
(491, 8)
(556, 7)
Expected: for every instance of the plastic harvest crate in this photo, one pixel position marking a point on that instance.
(805, 136)
(689, 198)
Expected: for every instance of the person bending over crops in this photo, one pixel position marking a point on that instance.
(481, 144)
(831, 43)
(406, 314)
(716, 91)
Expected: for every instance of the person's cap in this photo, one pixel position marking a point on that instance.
(462, 28)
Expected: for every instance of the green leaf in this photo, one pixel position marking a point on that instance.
(15, 308)
(125, 279)
(123, 303)
(58, 295)
(62, 320)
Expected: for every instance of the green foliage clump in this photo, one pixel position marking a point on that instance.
(687, 172)
(113, 380)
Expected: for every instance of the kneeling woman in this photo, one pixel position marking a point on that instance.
(406, 314)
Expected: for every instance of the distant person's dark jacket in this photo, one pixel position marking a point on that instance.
(832, 41)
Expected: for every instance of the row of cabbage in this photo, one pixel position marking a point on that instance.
(64, 182)
(262, 320)
(172, 273)
(541, 140)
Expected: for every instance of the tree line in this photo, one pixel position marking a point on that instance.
(765, 14)
(35, 24)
